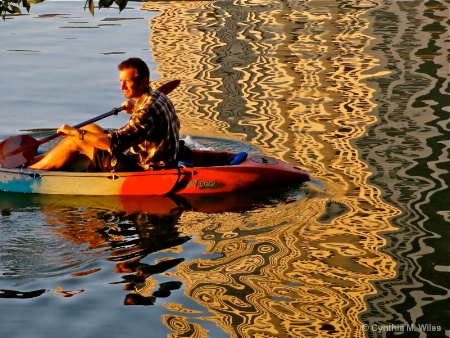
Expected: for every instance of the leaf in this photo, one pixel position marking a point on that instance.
(90, 3)
(105, 3)
(26, 4)
(16, 9)
(121, 3)
(91, 6)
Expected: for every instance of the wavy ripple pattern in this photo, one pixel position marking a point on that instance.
(301, 81)
(354, 91)
(408, 149)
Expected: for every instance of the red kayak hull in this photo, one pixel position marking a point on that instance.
(211, 175)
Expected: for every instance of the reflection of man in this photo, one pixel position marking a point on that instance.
(126, 237)
(148, 140)
(156, 232)
(142, 284)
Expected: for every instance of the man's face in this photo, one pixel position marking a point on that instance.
(131, 85)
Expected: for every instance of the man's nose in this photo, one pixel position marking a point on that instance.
(123, 85)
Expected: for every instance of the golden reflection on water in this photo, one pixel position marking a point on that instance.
(290, 77)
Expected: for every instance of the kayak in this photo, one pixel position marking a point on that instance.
(211, 172)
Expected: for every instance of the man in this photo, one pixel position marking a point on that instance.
(148, 141)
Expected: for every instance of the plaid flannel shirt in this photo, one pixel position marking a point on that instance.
(151, 135)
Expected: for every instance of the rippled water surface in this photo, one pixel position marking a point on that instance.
(356, 92)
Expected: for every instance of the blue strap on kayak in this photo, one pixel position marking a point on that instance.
(185, 164)
(238, 158)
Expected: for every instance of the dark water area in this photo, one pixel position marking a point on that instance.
(356, 92)
(413, 117)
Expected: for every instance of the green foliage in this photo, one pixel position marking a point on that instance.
(106, 3)
(13, 6)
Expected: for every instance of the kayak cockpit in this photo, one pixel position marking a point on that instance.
(197, 159)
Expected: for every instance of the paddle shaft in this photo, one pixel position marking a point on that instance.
(165, 89)
(115, 111)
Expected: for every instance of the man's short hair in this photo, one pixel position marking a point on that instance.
(138, 64)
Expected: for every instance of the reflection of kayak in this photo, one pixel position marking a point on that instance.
(212, 172)
(152, 204)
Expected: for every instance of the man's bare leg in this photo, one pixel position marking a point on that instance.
(65, 152)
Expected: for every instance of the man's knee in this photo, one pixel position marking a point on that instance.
(94, 128)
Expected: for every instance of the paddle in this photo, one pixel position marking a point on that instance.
(18, 150)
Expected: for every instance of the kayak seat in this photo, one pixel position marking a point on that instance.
(185, 156)
(238, 158)
(233, 160)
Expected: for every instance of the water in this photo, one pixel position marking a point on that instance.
(356, 92)
(62, 63)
